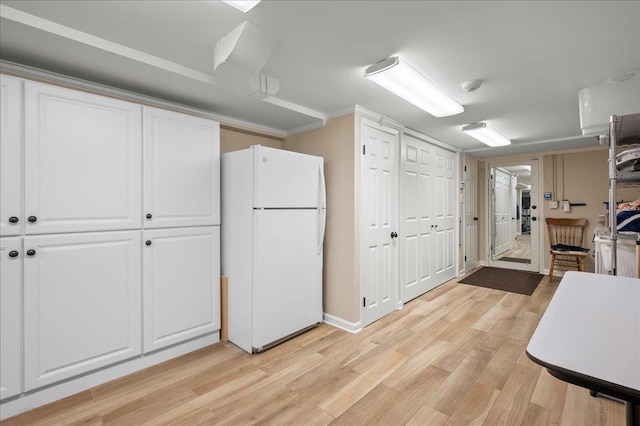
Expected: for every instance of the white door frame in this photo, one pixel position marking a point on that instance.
(469, 213)
(537, 228)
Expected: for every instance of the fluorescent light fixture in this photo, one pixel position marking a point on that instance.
(485, 134)
(242, 5)
(399, 78)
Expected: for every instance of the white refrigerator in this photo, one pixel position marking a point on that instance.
(273, 223)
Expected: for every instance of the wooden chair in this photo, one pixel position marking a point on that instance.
(566, 232)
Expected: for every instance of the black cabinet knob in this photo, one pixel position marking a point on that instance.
(394, 235)
(149, 215)
(148, 242)
(13, 219)
(533, 218)
(13, 253)
(31, 252)
(32, 219)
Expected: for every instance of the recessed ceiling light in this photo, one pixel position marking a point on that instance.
(243, 5)
(399, 78)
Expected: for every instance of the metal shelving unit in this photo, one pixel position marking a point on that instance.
(624, 131)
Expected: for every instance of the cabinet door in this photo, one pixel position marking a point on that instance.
(181, 284)
(10, 156)
(82, 161)
(82, 303)
(10, 316)
(181, 170)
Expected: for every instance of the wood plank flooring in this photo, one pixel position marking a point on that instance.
(454, 356)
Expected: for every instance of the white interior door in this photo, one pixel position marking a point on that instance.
(11, 218)
(470, 215)
(501, 181)
(379, 250)
(287, 286)
(416, 238)
(444, 215)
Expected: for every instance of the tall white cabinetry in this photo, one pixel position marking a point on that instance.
(10, 316)
(87, 284)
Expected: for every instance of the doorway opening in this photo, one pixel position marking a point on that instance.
(513, 225)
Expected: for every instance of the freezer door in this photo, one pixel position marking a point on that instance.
(285, 179)
(287, 290)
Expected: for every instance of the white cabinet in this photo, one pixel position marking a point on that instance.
(82, 297)
(181, 284)
(10, 156)
(82, 161)
(181, 170)
(10, 316)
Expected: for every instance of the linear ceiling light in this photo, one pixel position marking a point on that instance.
(399, 78)
(485, 134)
(243, 5)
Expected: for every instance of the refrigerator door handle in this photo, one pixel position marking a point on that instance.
(323, 189)
(322, 222)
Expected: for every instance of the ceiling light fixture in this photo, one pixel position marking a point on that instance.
(399, 78)
(485, 134)
(242, 5)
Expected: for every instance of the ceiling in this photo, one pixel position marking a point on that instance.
(532, 56)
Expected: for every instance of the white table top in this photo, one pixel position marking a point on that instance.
(592, 327)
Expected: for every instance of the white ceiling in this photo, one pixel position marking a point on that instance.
(533, 57)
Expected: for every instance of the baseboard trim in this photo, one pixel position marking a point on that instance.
(39, 397)
(337, 322)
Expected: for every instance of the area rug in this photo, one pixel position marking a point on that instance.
(515, 259)
(521, 282)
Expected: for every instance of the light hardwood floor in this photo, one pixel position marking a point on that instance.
(453, 356)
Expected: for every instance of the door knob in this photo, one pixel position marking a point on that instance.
(149, 215)
(534, 218)
(148, 242)
(31, 252)
(13, 253)
(534, 207)
(13, 219)
(394, 235)
(32, 219)
(475, 218)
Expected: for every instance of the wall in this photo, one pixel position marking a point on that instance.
(234, 140)
(335, 142)
(581, 177)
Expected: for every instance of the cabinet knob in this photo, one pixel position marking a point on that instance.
(13, 253)
(149, 215)
(148, 242)
(32, 219)
(31, 252)
(13, 219)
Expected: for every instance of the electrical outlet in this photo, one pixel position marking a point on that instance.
(553, 204)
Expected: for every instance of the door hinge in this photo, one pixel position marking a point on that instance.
(364, 150)
(465, 168)
(364, 302)
(465, 258)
